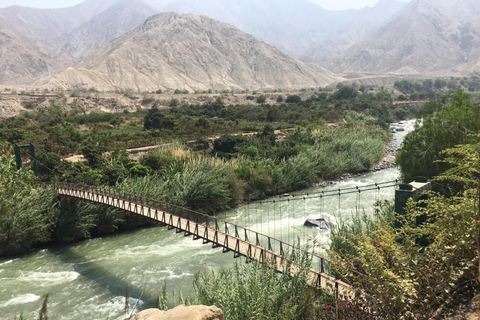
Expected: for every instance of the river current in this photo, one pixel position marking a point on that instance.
(88, 280)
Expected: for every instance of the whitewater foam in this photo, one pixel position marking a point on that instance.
(22, 299)
(49, 278)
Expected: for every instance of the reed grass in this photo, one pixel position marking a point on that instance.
(212, 184)
(257, 291)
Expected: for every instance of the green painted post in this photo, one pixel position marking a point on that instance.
(18, 156)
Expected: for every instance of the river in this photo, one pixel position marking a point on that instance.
(88, 280)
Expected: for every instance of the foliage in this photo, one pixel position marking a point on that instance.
(272, 168)
(431, 89)
(293, 99)
(31, 214)
(153, 119)
(345, 93)
(406, 280)
(256, 291)
(26, 213)
(445, 124)
(227, 144)
(261, 99)
(200, 184)
(465, 169)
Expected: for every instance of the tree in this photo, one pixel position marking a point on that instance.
(345, 93)
(153, 119)
(92, 150)
(261, 99)
(465, 169)
(273, 114)
(445, 125)
(293, 99)
(227, 143)
(268, 133)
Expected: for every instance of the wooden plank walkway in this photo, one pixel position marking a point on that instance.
(231, 237)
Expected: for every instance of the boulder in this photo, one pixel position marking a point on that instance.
(182, 313)
(318, 223)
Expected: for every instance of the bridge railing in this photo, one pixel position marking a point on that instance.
(274, 245)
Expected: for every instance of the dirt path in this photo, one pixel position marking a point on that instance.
(137, 153)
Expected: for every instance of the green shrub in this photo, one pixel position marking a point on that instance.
(293, 99)
(256, 291)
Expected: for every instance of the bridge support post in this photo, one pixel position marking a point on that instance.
(413, 190)
(18, 156)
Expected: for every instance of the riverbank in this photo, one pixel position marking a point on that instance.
(89, 277)
(401, 128)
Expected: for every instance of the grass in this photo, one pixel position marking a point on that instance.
(210, 184)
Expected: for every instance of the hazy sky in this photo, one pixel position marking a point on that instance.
(327, 4)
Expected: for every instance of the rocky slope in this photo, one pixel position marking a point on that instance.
(192, 52)
(115, 21)
(428, 36)
(362, 23)
(293, 26)
(31, 39)
(23, 56)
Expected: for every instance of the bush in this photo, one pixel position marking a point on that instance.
(293, 99)
(202, 186)
(228, 144)
(261, 99)
(444, 125)
(251, 151)
(256, 291)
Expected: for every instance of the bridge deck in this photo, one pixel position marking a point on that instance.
(205, 227)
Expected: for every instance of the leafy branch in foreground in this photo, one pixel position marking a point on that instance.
(407, 279)
(465, 169)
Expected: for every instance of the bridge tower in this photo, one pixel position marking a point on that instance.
(18, 156)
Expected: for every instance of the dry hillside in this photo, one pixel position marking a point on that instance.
(188, 52)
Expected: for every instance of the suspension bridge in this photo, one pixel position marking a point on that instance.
(220, 233)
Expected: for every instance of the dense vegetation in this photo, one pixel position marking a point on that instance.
(419, 265)
(211, 184)
(32, 215)
(407, 278)
(255, 291)
(451, 121)
(385, 259)
(433, 89)
(397, 272)
(206, 174)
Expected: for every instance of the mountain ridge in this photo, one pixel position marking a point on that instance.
(427, 37)
(194, 52)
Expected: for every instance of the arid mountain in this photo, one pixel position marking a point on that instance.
(363, 23)
(23, 56)
(111, 23)
(293, 26)
(173, 51)
(428, 36)
(31, 39)
(51, 24)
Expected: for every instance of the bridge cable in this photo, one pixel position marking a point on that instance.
(256, 215)
(339, 202)
(275, 221)
(305, 209)
(377, 203)
(35, 159)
